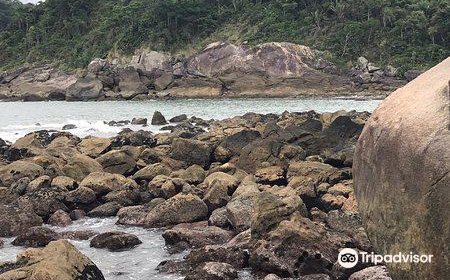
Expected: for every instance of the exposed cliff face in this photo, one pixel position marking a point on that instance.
(402, 175)
(281, 60)
(220, 70)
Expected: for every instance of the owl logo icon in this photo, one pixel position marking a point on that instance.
(348, 258)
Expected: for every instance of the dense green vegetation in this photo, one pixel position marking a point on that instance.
(405, 33)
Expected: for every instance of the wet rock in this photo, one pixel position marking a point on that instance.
(15, 220)
(69, 127)
(139, 121)
(234, 253)
(77, 214)
(371, 273)
(117, 161)
(182, 208)
(134, 138)
(158, 119)
(78, 235)
(192, 152)
(45, 202)
(133, 215)
(81, 166)
(109, 209)
(82, 195)
(178, 118)
(214, 271)
(58, 260)
(151, 171)
(94, 146)
(115, 241)
(197, 235)
(17, 170)
(60, 219)
(402, 173)
(36, 237)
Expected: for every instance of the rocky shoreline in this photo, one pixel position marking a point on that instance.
(272, 194)
(221, 70)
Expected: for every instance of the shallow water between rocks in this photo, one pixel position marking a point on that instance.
(137, 263)
(20, 118)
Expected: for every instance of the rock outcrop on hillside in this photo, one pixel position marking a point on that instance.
(402, 175)
(220, 70)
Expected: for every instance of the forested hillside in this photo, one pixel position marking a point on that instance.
(409, 34)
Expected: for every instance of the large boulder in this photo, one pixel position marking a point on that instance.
(59, 260)
(130, 84)
(182, 208)
(273, 206)
(117, 161)
(102, 182)
(273, 59)
(192, 152)
(134, 138)
(17, 170)
(297, 246)
(151, 171)
(239, 209)
(402, 175)
(81, 166)
(87, 88)
(36, 237)
(150, 61)
(220, 186)
(15, 220)
(94, 146)
(115, 241)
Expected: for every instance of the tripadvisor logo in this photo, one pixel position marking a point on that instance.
(348, 258)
